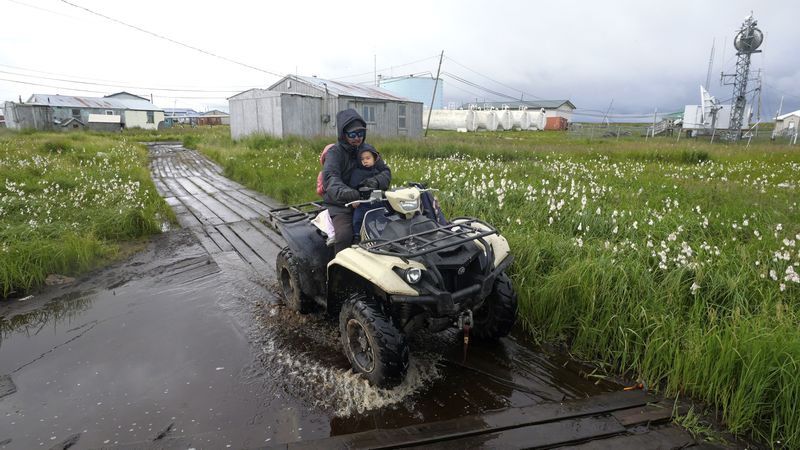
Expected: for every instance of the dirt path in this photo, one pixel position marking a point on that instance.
(186, 345)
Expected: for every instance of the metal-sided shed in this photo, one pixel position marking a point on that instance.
(307, 106)
(787, 124)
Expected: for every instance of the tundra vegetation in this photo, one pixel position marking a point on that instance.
(674, 262)
(70, 203)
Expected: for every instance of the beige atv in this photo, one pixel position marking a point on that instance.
(411, 270)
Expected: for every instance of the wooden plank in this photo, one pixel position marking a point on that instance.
(201, 211)
(189, 186)
(204, 185)
(651, 413)
(218, 239)
(244, 211)
(276, 238)
(243, 249)
(255, 201)
(661, 439)
(175, 187)
(265, 248)
(537, 436)
(219, 209)
(485, 423)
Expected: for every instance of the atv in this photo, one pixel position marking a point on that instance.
(411, 270)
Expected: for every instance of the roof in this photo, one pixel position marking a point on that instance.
(216, 113)
(69, 101)
(342, 89)
(787, 115)
(530, 104)
(170, 112)
(124, 94)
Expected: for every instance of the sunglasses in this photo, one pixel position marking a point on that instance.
(356, 134)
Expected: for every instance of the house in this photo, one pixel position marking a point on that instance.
(787, 124)
(214, 117)
(181, 115)
(307, 106)
(51, 112)
(552, 108)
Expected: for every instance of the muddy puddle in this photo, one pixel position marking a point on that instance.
(178, 349)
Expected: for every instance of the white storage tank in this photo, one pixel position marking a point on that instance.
(486, 120)
(504, 120)
(538, 120)
(521, 120)
(451, 119)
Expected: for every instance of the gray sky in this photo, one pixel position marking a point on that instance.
(640, 54)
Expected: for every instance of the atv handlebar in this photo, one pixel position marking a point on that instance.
(376, 195)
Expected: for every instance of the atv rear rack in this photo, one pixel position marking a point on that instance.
(425, 242)
(295, 213)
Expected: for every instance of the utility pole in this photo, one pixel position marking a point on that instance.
(433, 97)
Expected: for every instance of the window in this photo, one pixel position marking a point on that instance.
(76, 113)
(368, 113)
(109, 112)
(150, 117)
(401, 117)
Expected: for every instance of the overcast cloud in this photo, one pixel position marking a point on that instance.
(642, 55)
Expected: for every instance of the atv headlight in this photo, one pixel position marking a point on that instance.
(409, 205)
(413, 275)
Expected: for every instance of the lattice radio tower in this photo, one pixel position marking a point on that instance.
(747, 41)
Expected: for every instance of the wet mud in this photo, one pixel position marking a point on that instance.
(187, 344)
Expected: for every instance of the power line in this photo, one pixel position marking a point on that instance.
(478, 86)
(228, 88)
(97, 92)
(384, 68)
(171, 40)
(493, 80)
(115, 85)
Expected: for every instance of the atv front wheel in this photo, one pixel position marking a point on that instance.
(287, 269)
(372, 343)
(495, 318)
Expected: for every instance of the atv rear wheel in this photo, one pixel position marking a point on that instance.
(495, 318)
(372, 343)
(289, 278)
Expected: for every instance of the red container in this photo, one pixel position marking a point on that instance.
(556, 123)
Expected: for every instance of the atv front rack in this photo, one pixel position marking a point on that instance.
(295, 213)
(430, 241)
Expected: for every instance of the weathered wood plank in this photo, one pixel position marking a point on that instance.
(243, 249)
(486, 423)
(661, 439)
(537, 436)
(651, 413)
(201, 211)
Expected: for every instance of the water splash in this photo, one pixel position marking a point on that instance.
(341, 391)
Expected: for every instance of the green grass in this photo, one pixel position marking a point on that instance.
(68, 201)
(667, 261)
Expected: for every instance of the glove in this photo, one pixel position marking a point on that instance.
(371, 183)
(350, 195)
(365, 192)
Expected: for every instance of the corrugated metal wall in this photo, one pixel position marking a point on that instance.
(280, 114)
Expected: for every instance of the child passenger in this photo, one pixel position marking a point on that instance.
(362, 176)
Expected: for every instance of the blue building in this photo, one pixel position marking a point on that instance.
(418, 89)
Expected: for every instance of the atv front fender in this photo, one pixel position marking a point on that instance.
(376, 269)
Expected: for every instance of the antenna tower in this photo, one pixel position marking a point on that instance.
(747, 41)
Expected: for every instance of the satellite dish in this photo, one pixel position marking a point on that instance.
(749, 39)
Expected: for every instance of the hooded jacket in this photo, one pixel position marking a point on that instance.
(342, 159)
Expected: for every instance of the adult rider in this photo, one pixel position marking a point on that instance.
(340, 161)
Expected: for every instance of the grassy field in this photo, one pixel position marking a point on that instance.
(67, 202)
(672, 262)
